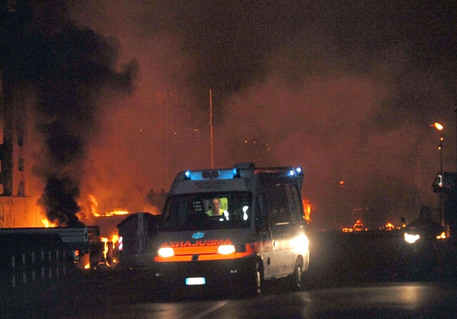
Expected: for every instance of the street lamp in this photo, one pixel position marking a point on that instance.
(440, 128)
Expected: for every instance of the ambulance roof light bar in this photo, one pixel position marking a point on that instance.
(236, 172)
(288, 170)
(211, 174)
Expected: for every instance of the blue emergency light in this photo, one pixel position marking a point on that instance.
(295, 171)
(187, 174)
(211, 174)
(232, 173)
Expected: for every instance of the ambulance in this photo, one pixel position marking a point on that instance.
(232, 228)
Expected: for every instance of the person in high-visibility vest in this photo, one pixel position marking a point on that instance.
(216, 209)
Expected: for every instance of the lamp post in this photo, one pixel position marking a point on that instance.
(440, 128)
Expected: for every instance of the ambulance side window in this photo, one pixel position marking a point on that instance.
(277, 204)
(295, 205)
(166, 219)
(175, 212)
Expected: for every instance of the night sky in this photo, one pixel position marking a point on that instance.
(345, 89)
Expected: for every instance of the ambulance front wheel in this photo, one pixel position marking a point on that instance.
(297, 276)
(255, 281)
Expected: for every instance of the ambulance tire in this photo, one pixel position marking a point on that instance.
(255, 281)
(296, 279)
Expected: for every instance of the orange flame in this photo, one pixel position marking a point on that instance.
(116, 212)
(306, 210)
(358, 226)
(47, 223)
(105, 241)
(389, 226)
(93, 203)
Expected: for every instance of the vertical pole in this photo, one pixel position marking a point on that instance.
(442, 177)
(419, 173)
(211, 132)
(167, 141)
(455, 110)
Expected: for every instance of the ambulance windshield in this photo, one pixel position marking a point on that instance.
(208, 211)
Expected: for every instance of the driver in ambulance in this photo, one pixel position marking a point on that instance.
(216, 209)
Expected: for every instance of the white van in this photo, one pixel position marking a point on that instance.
(257, 233)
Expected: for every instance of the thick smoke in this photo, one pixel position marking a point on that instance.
(69, 68)
(346, 91)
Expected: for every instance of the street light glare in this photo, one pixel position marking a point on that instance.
(438, 126)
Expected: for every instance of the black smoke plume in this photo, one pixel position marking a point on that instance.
(69, 68)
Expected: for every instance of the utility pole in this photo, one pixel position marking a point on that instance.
(440, 129)
(211, 132)
(455, 111)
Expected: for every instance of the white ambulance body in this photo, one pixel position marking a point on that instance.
(259, 234)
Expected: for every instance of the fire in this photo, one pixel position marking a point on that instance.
(106, 248)
(117, 213)
(47, 223)
(307, 209)
(358, 226)
(441, 236)
(389, 226)
(93, 207)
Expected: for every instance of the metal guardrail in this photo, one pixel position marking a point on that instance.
(36, 267)
(32, 260)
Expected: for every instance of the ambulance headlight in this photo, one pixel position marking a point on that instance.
(225, 249)
(300, 244)
(166, 252)
(411, 238)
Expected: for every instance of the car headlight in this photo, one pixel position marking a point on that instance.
(225, 249)
(166, 252)
(411, 238)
